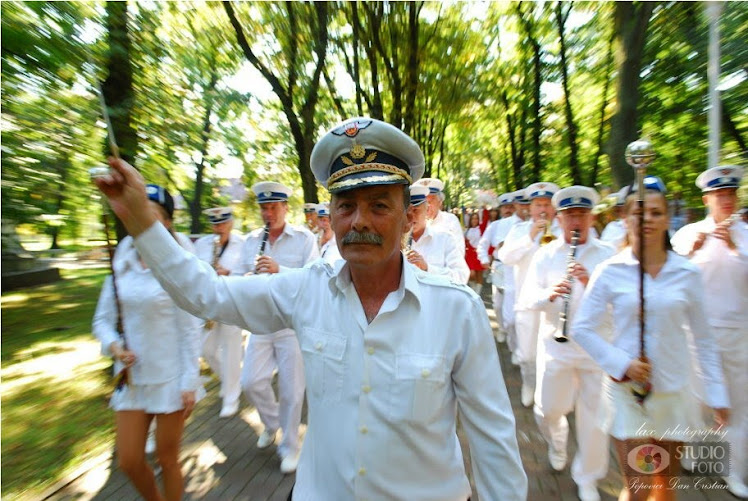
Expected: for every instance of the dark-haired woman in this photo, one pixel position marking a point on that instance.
(159, 348)
(673, 299)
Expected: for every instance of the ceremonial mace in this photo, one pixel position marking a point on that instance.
(123, 377)
(639, 155)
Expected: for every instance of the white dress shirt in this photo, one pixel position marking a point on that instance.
(442, 255)
(724, 271)
(446, 221)
(548, 268)
(495, 233)
(519, 248)
(231, 257)
(165, 339)
(295, 247)
(382, 396)
(672, 299)
(329, 251)
(614, 233)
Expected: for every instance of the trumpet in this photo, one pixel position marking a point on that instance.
(548, 235)
(564, 316)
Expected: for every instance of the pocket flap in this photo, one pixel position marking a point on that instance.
(322, 343)
(420, 367)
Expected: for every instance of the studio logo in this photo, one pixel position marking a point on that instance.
(648, 459)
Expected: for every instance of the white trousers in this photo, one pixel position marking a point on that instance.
(223, 350)
(507, 318)
(562, 388)
(733, 347)
(526, 324)
(265, 353)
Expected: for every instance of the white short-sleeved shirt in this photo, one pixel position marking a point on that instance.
(231, 256)
(442, 255)
(382, 396)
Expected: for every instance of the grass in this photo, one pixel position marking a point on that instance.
(55, 383)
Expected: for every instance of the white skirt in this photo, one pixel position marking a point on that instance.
(162, 398)
(663, 416)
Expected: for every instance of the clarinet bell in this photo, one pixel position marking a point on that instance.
(641, 391)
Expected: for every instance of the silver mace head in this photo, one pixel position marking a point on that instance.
(640, 154)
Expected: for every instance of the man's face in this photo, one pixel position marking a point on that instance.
(417, 217)
(506, 210)
(541, 208)
(434, 206)
(274, 213)
(369, 224)
(311, 219)
(722, 203)
(323, 222)
(223, 229)
(578, 219)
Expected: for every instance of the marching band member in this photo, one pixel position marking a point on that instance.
(222, 344)
(445, 221)
(523, 240)
(160, 348)
(567, 377)
(472, 237)
(390, 352)
(284, 248)
(718, 245)
(432, 249)
(489, 244)
(328, 245)
(615, 232)
(673, 299)
(310, 214)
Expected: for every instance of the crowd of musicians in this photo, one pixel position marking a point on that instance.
(565, 291)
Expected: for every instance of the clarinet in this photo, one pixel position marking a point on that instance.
(564, 317)
(264, 242)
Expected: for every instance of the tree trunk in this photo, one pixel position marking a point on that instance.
(603, 105)
(631, 23)
(118, 88)
(412, 75)
(571, 132)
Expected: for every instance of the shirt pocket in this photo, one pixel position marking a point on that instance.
(324, 363)
(418, 391)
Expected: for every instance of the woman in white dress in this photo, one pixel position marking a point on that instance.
(159, 348)
(673, 298)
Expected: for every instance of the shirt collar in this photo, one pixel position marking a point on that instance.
(341, 280)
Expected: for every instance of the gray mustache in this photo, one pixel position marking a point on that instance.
(355, 237)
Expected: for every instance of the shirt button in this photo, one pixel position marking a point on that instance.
(318, 346)
(362, 471)
(425, 373)
(366, 388)
(364, 430)
(370, 350)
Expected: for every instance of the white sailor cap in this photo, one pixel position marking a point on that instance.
(270, 191)
(651, 183)
(621, 196)
(161, 196)
(433, 184)
(364, 152)
(575, 197)
(309, 208)
(323, 210)
(520, 198)
(722, 176)
(506, 199)
(541, 190)
(217, 215)
(418, 194)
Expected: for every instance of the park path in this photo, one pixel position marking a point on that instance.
(220, 459)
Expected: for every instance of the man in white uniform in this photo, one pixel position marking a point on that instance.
(718, 245)
(523, 240)
(615, 232)
(567, 377)
(222, 344)
(492, 239)
(446, 221)
(310, 214)
(328, 246)
(285, 248)
(430, 248)
(387, 365)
